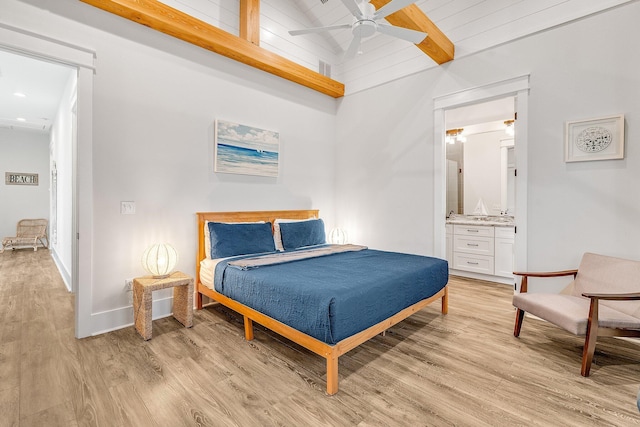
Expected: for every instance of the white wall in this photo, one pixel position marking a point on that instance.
(23, 151)
(384, 166)
(155, 100)
(384, 169)
(482, 171)
(61, 154)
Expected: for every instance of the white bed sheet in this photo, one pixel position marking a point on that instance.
(207, 269)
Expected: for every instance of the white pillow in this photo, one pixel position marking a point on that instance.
(277, 236)
(207, 234)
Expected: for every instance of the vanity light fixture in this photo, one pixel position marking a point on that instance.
(455, 135)
(21, 119)
(19, 94)
(509, 127)
(159, 260)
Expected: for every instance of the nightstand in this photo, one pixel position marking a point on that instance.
(143, 288)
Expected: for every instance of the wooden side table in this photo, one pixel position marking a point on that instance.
(143, 288)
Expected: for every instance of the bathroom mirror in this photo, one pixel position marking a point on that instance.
(480, 157)
(481, 170)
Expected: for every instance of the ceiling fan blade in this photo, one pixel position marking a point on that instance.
(353, 7)
(318, 29)
(352, 50)
(391, 7)
(412, 36)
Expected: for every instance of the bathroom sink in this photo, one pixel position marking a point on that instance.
(481, 219)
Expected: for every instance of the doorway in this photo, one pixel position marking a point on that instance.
(48, 49)
(518, 88)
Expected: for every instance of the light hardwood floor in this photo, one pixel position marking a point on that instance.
(465, 368)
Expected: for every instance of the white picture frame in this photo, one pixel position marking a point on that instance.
(594, 139)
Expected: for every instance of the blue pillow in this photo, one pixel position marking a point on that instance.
(303, 233)
(240, 239)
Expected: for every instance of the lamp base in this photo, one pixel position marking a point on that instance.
(162, 276)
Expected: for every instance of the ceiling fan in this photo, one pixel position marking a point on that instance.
(366, 23)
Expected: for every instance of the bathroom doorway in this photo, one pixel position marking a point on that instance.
(518, 89)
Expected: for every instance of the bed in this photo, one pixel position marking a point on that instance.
(314, 295)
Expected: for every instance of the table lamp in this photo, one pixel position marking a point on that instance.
(159, 260)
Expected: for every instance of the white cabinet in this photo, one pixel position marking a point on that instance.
(481, 249)
(473, 248)
(504, 251)
(449, 243)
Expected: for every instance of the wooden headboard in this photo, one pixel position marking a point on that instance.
(249, 216)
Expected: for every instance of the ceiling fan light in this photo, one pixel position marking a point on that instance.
(364, 29)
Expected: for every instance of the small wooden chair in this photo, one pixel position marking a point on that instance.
(29, 233)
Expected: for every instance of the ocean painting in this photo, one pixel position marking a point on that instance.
(245, 149)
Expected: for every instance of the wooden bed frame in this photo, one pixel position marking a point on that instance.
(329, 352)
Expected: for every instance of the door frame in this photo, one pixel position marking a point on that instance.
(518, 87)
(46, 48)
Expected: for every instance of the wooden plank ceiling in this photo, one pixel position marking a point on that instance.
(246, 49)
(436, 45)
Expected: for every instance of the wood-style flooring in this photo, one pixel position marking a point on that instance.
(463, 369)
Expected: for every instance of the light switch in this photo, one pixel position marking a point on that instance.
(127, 208)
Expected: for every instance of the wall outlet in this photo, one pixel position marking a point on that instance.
(128, 288)
(127, 208)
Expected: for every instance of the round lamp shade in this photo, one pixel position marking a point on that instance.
(160, 260)
(338, 236)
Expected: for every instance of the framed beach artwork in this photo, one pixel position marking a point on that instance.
(594, 139)
(245, 150)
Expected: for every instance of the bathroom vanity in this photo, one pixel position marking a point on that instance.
(481, 247)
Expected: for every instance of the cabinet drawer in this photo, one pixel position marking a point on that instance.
(473, 245)
(505, 232)
(476, 263)
(472, 230)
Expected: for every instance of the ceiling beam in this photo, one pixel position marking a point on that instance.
(173, 22)
(250, 21)
(436, 45)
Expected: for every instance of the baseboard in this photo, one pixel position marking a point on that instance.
(485, 277)
(66, 276)
(119, 318)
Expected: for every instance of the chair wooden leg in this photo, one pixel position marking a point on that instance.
(591, 338)
(518, 325)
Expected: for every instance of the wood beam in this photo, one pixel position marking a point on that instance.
(436, 45)
(250, 21)
(173, 22)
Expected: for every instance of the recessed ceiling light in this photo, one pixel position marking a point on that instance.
(19, 94)
(21, 119)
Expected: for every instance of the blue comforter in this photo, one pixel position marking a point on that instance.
(333, 297)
